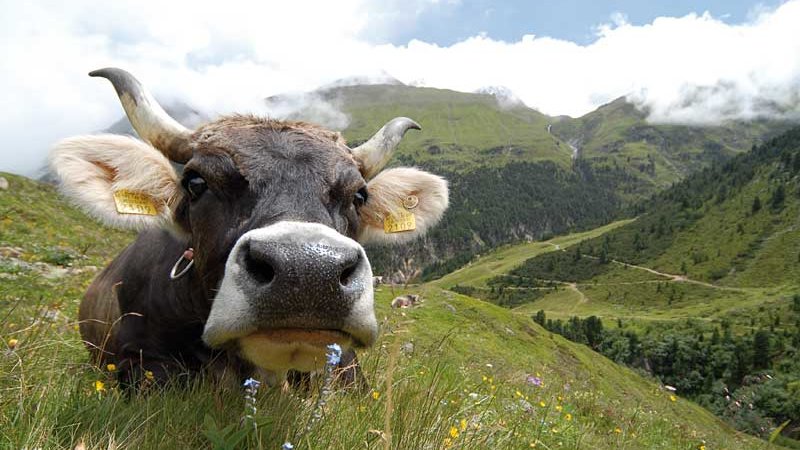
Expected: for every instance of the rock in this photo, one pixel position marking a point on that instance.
(407, 348)
(3, 184)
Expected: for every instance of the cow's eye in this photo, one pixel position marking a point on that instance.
(195, 185)
(361, 197)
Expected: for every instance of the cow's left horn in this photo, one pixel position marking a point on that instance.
(375, 153)
(148, 118)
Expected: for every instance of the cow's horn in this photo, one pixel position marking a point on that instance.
(148, 118)
(375, 153)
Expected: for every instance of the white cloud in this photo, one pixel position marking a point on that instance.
(227, 56)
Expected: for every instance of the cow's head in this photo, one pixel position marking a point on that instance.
(274, 210)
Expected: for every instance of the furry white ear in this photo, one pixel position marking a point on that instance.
(399, 198)
(119, 180)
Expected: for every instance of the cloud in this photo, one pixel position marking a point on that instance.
(228, 56)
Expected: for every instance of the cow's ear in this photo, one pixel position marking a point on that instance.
(119, 180)
(402, 204)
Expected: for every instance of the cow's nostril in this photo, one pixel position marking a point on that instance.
(261, 271)
(347, 274)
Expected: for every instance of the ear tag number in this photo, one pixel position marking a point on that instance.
(130, 202)
(402, 220)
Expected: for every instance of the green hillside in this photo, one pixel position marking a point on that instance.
(618, 135)
(514, 165)
(450, 374)
(707, 277)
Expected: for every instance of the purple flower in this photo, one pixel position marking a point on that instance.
(536, 381)
(334, 354)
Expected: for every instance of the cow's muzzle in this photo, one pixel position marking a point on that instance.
(289, 290)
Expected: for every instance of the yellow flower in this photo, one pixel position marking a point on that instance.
(493, 387)
(148, 374)
(618, 430)
(448, 442)
(111, 367)
(12, 343)
(542, 404)
(463, 424)
(701, 447)
(519, 394)
(554, 430)
(376, 395)
(532, 445)
(362, 408)
(568, 417)
(485, 378)
(672, 398)
(422, 372)
(560, 399)
(559, 408)
(99, 386)
(453, 432)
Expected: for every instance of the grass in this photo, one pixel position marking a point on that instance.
(449, 374)
(503, 259)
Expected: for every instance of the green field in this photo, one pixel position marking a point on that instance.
(460, 384)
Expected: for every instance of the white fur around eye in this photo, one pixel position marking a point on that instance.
(386, 194)
(91, 168)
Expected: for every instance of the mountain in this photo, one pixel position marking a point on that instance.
(702, 290)
(455, 372)
(618, 135)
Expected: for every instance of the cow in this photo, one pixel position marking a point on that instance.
(249, 258)
(406, 301)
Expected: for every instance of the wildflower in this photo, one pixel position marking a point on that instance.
(448, 442)
(485, 378)
(99, 386)
(559, 408)
(362, 408)
(111, 367)
(567, 417)
(376, 395)
(148, 374)
(463, 424)
(251, 383)
(554, 430)
(536, 381)
(672, 398)
(560, 399)
(519, 394)
(701, 447)
(287, 446)
(250, 390)
(542, 403)
(12, 343)
(422, 372)
(618, 430)
(334, 354)
(453, 432)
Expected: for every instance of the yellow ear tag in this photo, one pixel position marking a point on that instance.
(130, 202)
(402, 220)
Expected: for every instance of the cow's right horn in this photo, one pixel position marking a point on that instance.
(148, 118)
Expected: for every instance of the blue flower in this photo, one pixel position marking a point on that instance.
(251, 383)
(334, 354)
(287, 446)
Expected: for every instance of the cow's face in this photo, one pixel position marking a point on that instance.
(275, 212)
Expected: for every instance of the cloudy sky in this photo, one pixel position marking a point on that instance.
(688, 62)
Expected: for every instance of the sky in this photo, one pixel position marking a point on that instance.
(700, 62)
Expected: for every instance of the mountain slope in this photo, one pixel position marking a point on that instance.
(703, 286)
(458, 370)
